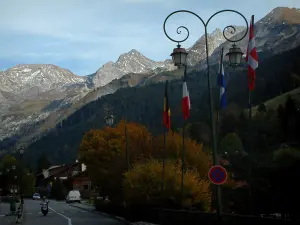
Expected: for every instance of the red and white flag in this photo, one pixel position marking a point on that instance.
(251, 57)
(186, 104)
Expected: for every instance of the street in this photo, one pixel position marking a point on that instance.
(6, 220)
(60, 213)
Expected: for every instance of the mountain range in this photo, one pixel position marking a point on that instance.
(35, 98)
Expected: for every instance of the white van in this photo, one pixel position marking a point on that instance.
(73, 196)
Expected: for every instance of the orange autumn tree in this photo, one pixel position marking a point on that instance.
(139, 140)
(103, 152)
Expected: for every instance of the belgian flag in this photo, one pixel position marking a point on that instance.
(167, 111)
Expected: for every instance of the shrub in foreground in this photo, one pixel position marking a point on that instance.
(142, 186)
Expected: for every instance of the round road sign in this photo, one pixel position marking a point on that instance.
(217, 175)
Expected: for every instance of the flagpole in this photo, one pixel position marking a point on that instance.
(219, 85)
(217, 190)
(183, 150)
(166, 123)
(250, 136)
(249, 150)
(218, 187)
(163, 166)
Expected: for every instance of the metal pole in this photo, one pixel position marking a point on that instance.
(219, 97)
(250, 143)
(183, 151)
(90, 194)
(108, 111)
(125, 132)
(21, 179)
(215, 189)
(249, 153)
(163, 166)
(126, 142)
(182, 161)
(213, 128)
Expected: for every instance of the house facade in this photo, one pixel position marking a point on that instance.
(75, 173)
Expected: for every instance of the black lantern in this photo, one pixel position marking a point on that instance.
(21, 150)
(179, 56)
(109, 119)
(235, 56)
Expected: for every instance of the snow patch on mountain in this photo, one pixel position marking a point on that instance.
(131, 62)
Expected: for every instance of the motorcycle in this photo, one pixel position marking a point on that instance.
(44, 207)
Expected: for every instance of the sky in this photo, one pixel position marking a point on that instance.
(82, 35)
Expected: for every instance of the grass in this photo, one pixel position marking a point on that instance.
(30, 106)
(281, 99)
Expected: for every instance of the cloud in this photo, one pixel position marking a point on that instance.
(143, 1)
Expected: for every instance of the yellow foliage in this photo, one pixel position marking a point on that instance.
(195, 157)
(103, 152)
(142, 184)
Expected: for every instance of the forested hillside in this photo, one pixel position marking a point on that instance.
(145, 104)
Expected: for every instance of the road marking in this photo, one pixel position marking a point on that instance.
(69, 219)
(2, 215)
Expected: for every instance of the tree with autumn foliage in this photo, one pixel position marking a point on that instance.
(103, 152)
(142, 185)
(195, 157)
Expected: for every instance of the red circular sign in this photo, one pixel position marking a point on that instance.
(217, 175)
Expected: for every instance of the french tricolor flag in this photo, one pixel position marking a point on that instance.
(222, 86)
(186, 104)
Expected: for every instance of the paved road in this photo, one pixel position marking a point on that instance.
(61, 213)
(4, 210)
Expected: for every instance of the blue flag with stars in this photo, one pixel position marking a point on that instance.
(222, 86)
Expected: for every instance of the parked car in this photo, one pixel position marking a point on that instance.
(36, 196)
(73, 196)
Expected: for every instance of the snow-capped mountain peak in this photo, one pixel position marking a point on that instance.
(198, 51)
(278, 31)
(130, 62)
(30, 94)
(45, 76)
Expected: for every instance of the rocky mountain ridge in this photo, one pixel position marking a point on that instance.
(278, 31)
(197, 52)
(35, 95)
(131, 62)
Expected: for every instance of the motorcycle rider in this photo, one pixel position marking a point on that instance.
(44, 200)
(44, 205)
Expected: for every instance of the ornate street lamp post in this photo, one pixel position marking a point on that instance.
(13, 200)
(109, 119)
(21, 150)
(179, 56)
